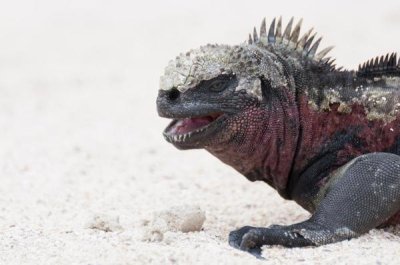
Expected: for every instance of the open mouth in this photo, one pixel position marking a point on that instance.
(186, 129)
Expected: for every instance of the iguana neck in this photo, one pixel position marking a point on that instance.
(265, 150)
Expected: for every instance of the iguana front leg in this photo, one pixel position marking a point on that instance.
(361, 195)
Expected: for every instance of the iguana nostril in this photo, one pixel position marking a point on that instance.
(173, 94)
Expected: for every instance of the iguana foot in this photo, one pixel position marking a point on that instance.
(242, 235)
(251, 239)
(361, 195)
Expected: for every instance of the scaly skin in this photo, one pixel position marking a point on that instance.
(278, 112)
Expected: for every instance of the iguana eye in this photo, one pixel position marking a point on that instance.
(218, 85)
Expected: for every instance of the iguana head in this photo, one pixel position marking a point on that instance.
(206, 91)
(214, 93)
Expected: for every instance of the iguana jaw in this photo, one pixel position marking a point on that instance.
(193, 132)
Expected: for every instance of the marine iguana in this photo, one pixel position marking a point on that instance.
(278, 112)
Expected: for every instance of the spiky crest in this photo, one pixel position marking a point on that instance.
(289, 39)
(380, 66)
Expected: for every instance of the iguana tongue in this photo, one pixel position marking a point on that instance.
(190, 124)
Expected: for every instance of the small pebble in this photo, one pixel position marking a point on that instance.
(104, 223)
(185, 218)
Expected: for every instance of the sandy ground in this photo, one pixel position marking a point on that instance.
(83, 167)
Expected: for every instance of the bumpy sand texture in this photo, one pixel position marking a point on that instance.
(84, 171)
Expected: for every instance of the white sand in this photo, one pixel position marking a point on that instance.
(83, 167)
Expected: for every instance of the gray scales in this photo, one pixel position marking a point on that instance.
(278, 111)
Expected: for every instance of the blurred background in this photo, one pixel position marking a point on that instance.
(79, 132)
(131, 41)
